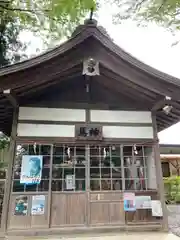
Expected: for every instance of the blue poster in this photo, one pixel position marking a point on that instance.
(129, 202)
(31, 169)
(38, 205)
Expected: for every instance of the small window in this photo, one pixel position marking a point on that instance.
(165, 169)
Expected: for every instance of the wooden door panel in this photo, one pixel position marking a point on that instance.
(76, 209)
(99, 212)
(15, 221)
(68, 209)
(106, 208)
(40, 221)
(58, 209)
(117, 212)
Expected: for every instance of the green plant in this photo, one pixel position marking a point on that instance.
(172, 189)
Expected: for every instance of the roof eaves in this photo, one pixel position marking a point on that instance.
(108, 43)
(80, 37)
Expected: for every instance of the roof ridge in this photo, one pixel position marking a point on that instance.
(90, 28)
(46, 55)
(126, 56)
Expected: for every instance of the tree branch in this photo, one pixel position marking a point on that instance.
(139, 4)
(21, 9)
(162, 4)
(173, 165)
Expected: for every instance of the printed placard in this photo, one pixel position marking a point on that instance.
(31, 169)
(129, 202)
(156, 208)
(70, 182)
(21, 206)
(38, 205)
(143, 202)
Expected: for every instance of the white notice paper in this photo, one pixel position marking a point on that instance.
(70, 182)
(143, 202)
(156, 208)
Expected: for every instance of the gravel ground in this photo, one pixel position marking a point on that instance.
(174, 219)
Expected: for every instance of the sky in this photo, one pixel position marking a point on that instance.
(152, 45)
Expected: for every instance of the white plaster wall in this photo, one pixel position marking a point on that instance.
(120, 116)
(45, 130)
(52, 114)
(127, 132)
(151, 170)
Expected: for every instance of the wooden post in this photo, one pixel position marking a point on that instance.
(49, 190)
(11, 156)
(159, 176)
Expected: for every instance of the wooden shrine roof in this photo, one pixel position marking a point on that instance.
(118, 70)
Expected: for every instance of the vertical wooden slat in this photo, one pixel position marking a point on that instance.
(145, 167)
(159, 177)
(100, 166)
(11, 156)
(49, 190)
(122, 167)
(15, 221)
(40, 221)
(87, 185)
(58, 209)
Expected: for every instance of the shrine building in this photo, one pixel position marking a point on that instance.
(83, 121)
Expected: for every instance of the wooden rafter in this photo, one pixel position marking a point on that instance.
(132, 88)
(11, 97)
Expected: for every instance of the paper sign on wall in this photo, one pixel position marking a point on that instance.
(21, 206)
(156, 208)
(143, 202)
(31, 169)
(70, 182)
(129, 202)
(38, 205)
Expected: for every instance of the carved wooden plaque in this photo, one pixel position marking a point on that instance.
(89, 132)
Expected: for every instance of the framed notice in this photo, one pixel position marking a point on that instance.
(143, 202)
(70, 182)
(38, 205)
(129, 202)
(21, 206)
(31, 169)
(90, 132)
(156, 208)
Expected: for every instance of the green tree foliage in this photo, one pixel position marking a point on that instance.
(10, 45)
(4, 144)
(48, 17)
(163, 12)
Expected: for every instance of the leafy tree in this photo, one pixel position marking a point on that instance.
(47, 17)
(11, 48)
(164, 12)
(10, 45)
(4, 144)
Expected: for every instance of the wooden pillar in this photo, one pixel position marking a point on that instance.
(159, 176)
(11, 156)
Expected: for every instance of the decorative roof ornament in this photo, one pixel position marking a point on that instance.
(91, 14)
(89, 21)
(90, 67)
(168, 107)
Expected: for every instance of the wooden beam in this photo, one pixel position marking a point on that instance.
(123, 90)
(116, 65)
(11, 97)
(159, 177)
(157, 106)
(45, 85)
(11, 155)
(131, 85)
(160, 104)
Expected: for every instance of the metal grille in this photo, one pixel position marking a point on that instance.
(78, 168)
